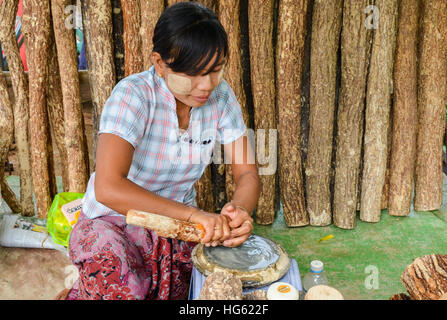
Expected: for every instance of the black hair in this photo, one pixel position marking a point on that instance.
(187, 36)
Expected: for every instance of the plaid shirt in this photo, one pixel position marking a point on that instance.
(167, 160)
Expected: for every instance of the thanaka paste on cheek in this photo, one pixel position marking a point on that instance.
(179, 84)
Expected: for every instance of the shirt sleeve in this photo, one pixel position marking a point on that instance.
(231, 124)
(125, 113)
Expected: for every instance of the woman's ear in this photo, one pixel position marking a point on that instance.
(158, 64)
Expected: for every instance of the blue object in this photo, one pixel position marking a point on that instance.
(292, 276)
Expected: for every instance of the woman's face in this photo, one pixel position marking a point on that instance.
(193, 91)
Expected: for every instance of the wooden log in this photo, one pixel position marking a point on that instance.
(377, 113)
(326, 28)
(133, 59)
(97, 22)
(55, 107)
(165, 226)
(403, 153)
(215, 6)
(150, 12)
(219, 181)
(229, 17)
(171, 2)
(260, 17)
(354, 62)
(289, 61)
(426, 277)
(6, 138)
(204, 189)
(67, 58)
(432, 97)
(36, 16)
(400, 296)
(221, 285)
(118, 43)
(19, 83)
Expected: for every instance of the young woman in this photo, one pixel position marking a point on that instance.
(157, 133)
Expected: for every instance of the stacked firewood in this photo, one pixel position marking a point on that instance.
(425, 279)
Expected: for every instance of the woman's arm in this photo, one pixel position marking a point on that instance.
(247, 190)
(114, 190)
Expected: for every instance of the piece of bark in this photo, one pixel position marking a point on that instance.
(215, 6)
(260, 17)
(21, 106)
(426, 277)
(255, 295)
(74, 134)
(118, 43)
(171, 2)
(55, 107)
(165, 226)
(229, 17)
(403, 153)
(377, 112)
(36, 16)
(289, 61)
(400, 296)
(326, 28)
(133, 59)
(354, 63)
(98, 35)
(204, 189)
(432, 97)
(150, 12)
(219, 181)
(6, 138)
(221, 285)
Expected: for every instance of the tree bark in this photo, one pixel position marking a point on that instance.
(377, 113)
(229, 17)
(204, 189)
(133, 59)
(326, 29)
(354, 62)
(21, 105)
(171, 2)
(218, 179)
(216, 6)
(426, 277)
(36, 16)
(291, 38)
(74, 135)
(150, 12)
(260, 17)
(432, 97)
(403, 153)
(7, 130)
(118, 43)
(97, 21)
(56, 111)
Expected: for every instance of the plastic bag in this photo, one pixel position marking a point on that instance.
(26, 232)
(63, 214)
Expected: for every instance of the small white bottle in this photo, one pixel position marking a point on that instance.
(315, 276)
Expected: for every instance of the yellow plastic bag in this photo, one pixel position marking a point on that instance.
(63, 215)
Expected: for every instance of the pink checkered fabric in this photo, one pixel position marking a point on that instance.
(167, 160)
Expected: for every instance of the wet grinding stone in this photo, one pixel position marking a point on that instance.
(257, 262)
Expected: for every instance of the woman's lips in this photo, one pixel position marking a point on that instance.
(201, 98)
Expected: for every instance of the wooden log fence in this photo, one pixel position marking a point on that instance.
(377, 101)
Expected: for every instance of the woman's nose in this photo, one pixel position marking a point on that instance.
(205, 83)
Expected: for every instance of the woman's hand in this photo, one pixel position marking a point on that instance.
(217, 229)
(241, 224)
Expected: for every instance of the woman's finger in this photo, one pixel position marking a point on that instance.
(246, 227)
